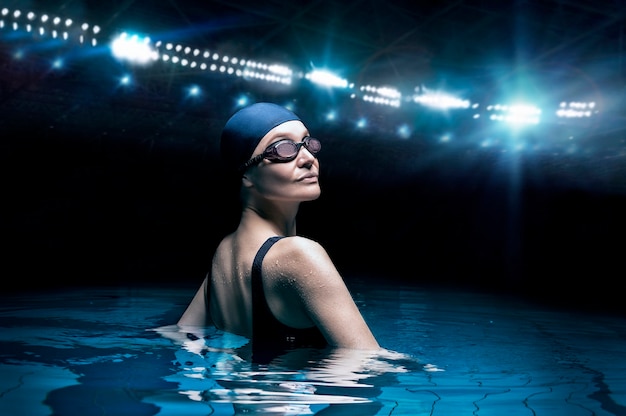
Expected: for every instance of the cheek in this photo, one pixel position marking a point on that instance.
(274, 181)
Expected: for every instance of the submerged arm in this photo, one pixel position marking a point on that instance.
(197, 313)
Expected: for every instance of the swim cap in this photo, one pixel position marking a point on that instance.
(245, 129)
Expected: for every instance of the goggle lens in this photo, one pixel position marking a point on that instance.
(286, 149)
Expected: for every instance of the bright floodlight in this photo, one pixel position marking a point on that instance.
(133, 49)
(440, 100)
(381, 95)
(518, 114)
(576, 109)
(326, 78)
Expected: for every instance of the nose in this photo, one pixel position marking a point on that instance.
(305, 158)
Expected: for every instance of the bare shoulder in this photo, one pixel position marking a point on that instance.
(298, 250)
(303, 261)
(298, 244)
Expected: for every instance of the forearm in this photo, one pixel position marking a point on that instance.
(196, 313)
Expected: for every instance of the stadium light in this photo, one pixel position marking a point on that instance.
(133, 49)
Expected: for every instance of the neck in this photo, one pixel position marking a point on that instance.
(279, 220)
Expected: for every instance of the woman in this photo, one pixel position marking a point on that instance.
(266, 283)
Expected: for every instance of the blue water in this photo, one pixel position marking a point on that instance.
(113, 351)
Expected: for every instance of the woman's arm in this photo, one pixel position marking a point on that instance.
(196, 313)
(304, 267)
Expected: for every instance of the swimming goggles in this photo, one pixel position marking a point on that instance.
(285, 150)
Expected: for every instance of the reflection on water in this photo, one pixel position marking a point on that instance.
(96, 351)
(112, 351)
(214, 368)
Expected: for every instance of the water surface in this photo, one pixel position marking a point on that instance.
(113, 351)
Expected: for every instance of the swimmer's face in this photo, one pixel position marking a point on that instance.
(295, 180)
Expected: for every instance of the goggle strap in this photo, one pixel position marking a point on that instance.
(251, 162)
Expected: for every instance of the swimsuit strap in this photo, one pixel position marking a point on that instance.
(261, 311)
(258, 259)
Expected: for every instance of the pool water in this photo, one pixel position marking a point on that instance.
(114, 351)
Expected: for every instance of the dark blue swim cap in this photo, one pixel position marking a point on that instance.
(245, 129)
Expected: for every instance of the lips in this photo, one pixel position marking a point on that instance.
(308, 177)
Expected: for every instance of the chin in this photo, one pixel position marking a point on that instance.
(312, 196)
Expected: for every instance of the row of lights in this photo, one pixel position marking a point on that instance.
(519, 114)
(46, 25)
(140, 50)
(214, 62)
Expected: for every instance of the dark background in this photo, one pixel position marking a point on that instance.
(115, 187)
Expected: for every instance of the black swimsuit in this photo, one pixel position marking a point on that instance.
(270, 337)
